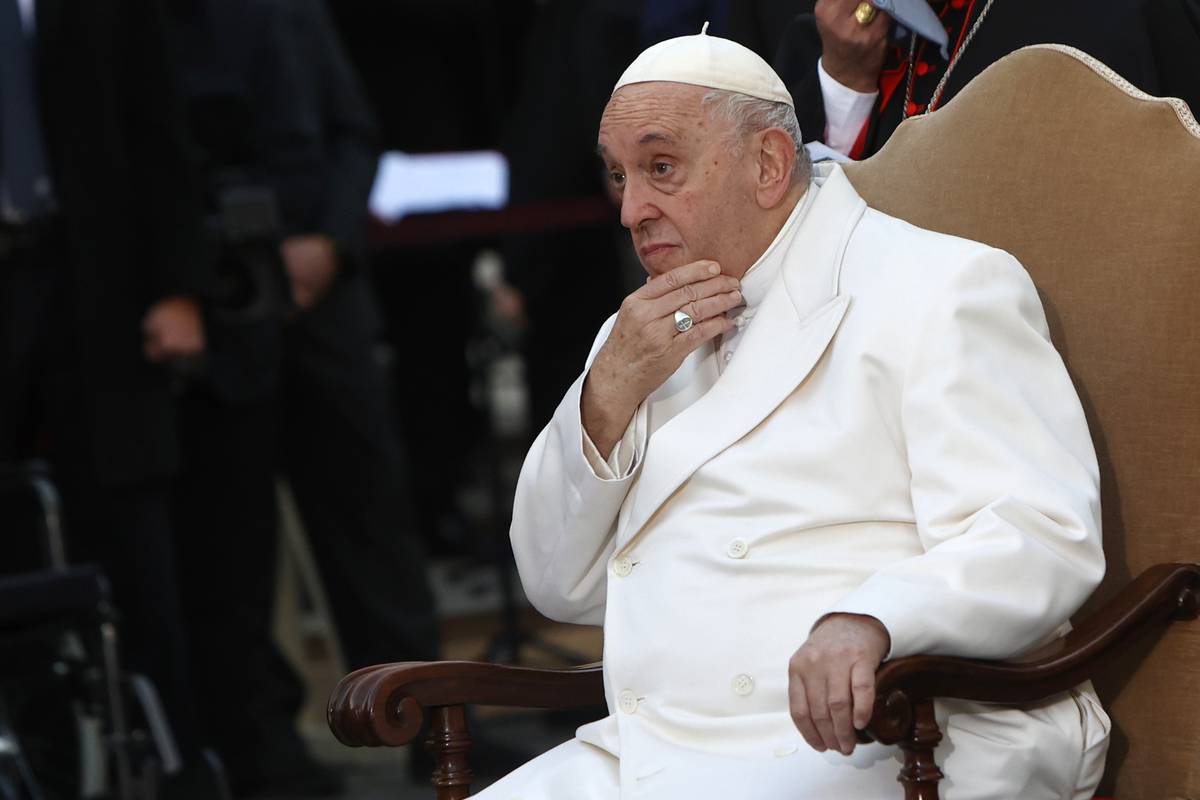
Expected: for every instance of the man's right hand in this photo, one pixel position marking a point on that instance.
(852, 54)
(173, 328)
(644, 348)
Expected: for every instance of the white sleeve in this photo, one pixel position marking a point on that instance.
(846, 111)
(566, 507)
(1005, 485)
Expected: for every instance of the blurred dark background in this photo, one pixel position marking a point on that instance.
(259, 423)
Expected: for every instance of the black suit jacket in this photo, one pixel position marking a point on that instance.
(1121, 35)
(323, 112)
(1174, 27)
(274, 98)
(121, 161)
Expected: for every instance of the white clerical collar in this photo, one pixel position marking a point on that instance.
(762, 273)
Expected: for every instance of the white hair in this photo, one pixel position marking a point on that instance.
(748, 115)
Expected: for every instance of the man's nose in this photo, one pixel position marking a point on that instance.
(636, 205)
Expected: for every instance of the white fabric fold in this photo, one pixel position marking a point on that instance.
(846, 111)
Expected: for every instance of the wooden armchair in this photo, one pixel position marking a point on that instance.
(1095, 187)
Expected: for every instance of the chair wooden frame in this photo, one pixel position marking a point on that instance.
(387, 705)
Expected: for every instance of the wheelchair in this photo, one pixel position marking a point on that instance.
(73, 724)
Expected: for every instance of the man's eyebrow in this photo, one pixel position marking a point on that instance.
(657, 137)
(648, 138)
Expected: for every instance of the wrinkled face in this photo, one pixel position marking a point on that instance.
(684, 187)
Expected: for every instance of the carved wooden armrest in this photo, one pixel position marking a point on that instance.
(906, 687)
(385, 706)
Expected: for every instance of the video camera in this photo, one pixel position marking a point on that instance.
(250, 299)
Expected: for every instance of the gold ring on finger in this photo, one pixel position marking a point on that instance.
(683, 322)
(865, 13)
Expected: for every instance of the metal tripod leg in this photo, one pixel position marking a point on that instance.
(116, 708)
(15, 772)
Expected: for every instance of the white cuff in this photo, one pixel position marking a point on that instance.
(623, 458)
(846, 111)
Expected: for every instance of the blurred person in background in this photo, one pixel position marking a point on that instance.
(574, 52)
(1174, 28)
(851, 74)
(100, 270)
(292, 385)
(450, 44)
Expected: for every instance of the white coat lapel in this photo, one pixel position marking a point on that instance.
(791, 331)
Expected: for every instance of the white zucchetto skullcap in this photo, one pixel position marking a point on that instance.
(711, 62)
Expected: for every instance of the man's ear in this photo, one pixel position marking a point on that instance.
(776, 160)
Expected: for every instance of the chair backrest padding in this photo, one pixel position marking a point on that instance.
(1095, 187)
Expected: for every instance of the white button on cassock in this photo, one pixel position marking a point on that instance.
(738, 548)
(627, 701)
(743, 685)
(739, 322)
(623, 566)
(728, 356)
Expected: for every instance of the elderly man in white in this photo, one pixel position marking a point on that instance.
(817, 438)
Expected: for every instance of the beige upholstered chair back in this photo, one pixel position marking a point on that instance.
(1095, 187)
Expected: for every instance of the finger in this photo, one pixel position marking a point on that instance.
(879, 22)
(680, 276)
(693, 292)
(875, 33)
(700, 333)
(712, 306)
(801, 716)
(840, 712)
(818, 704)
(862, 689)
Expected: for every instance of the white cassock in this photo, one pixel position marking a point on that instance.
(890, 432)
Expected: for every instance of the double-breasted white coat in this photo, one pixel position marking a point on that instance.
(897, 437)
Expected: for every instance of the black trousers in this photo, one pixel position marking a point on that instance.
(45, 413)
(327, 427)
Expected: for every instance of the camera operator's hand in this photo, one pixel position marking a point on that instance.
(852, 53)
(312, 264)
(173, 328)
(508, 304)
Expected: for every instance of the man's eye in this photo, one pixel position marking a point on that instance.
(617, 178)
(662, 168)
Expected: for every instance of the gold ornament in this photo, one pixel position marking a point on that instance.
(865, 14)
